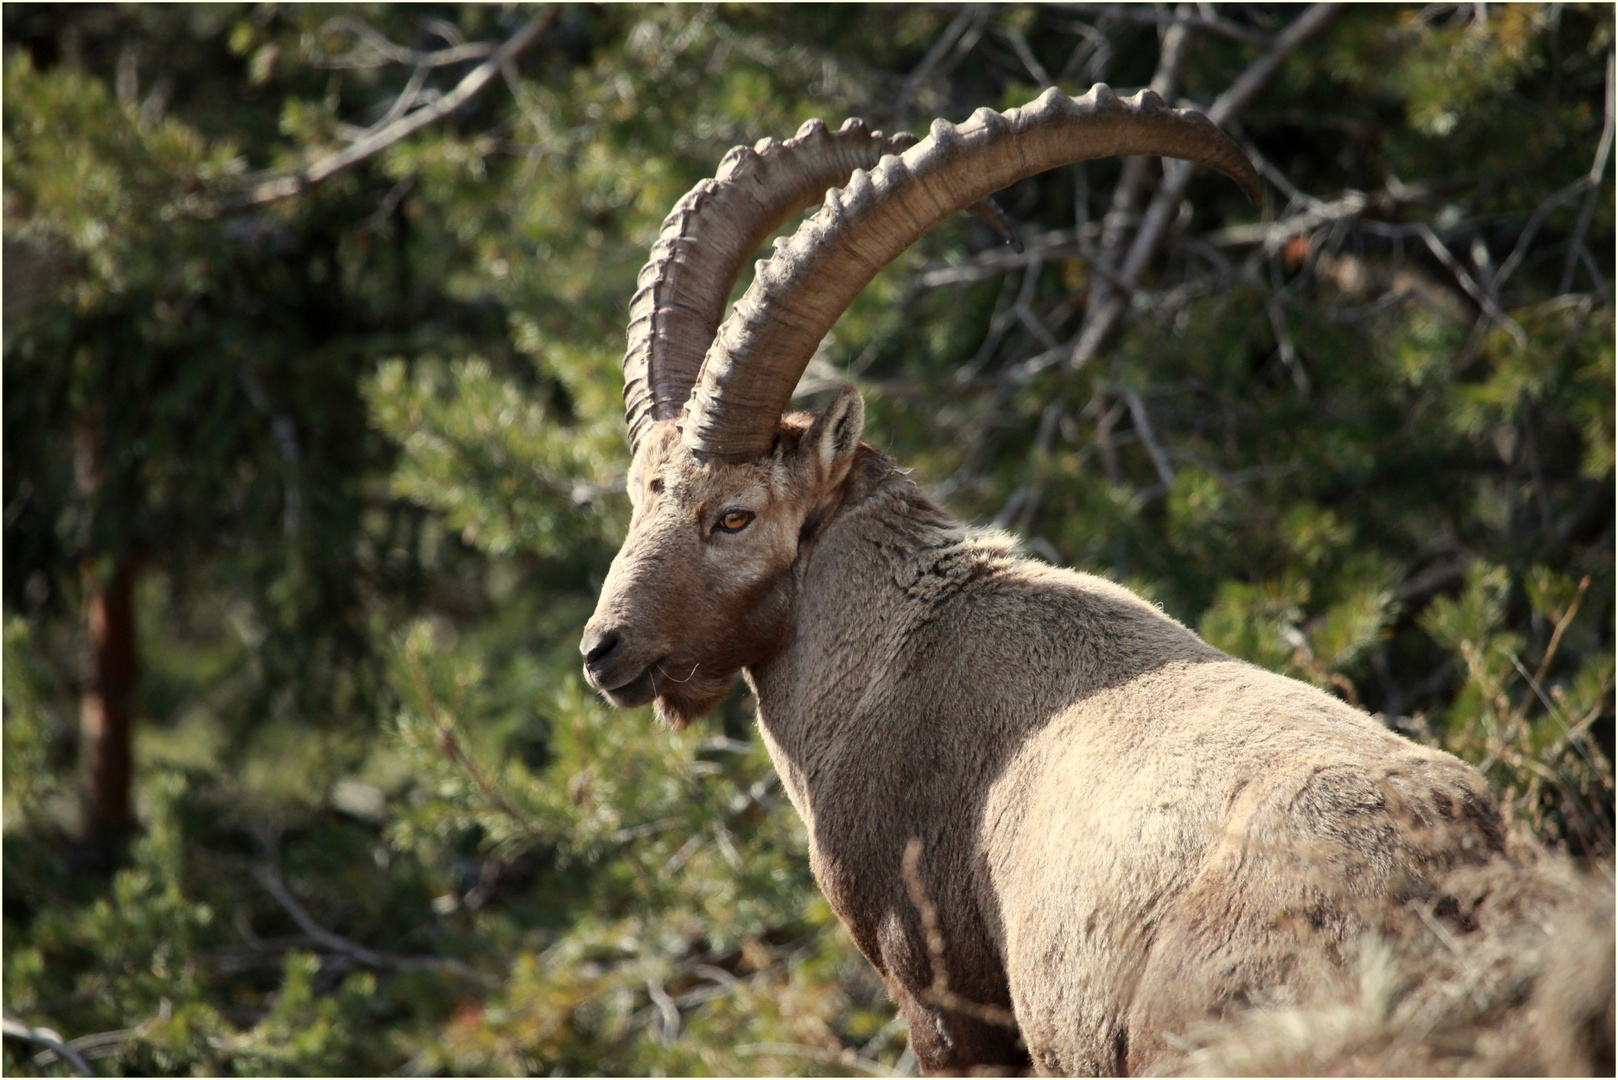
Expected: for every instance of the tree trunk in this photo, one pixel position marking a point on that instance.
(105, 713)
(105, 717)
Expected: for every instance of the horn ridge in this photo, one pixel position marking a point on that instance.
(705, 240)
(798, 294)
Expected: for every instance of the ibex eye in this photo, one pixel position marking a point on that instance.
(734, 520)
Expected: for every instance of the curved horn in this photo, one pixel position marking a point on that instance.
(798, 294)
(682, 290)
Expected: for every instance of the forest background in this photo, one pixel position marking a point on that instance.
(314, 462)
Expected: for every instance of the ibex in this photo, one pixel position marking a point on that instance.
(1116, 829)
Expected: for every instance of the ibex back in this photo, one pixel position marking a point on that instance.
(1114, 830)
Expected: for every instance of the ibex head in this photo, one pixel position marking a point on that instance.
(703, 586)
(727, 489)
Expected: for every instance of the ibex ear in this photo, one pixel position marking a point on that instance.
(835, 434)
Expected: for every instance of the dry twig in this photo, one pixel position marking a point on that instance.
(270, 188)
(939, 994)
(48, 1038)
(1576, 247)
(1143, 428)
(450, 746)
(964, 25)
(846, 1058)
(383, 51)
(270, 877)
(1177, 175)
(1143, 13)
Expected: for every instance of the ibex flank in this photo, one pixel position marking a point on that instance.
(1115, 831)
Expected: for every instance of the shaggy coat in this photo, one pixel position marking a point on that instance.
(1117, 831)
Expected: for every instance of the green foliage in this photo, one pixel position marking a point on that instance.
(94, 172)
(365, 446)
(143, 940)
(30, 781)
(480, 451)
(1533, 740)
(674, 875)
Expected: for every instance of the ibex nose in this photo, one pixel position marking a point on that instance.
(598, 647)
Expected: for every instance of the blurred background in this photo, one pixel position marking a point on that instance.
(314, 462)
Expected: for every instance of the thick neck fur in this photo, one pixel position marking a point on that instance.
(887, 564)
(875, 569)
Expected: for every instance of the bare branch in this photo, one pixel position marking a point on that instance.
(667, 1028)
(847, 1058)
(1037, 248)
(1177, 175)
(1484, 300)
(444, 29)
(1587, 212)
(1019, 45)
(1535, 220)
(1284, 343)
(270, 877)
(1272, 234)
(1142, 13)
(1143, 428)
(939, 994)
(90, 1047)
(1106, 288)
(271, 188)
(1020, 509)
(969, 16)
(1135, 175)
(403, 103)
(1240, 94)
(48, 1038)
(451, 746)
(387, 52)
(999, 323)
(1090, 55)
(1594, 271)
(1556, 635)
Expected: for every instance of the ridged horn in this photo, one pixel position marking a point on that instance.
(681, 293)
(799, 293)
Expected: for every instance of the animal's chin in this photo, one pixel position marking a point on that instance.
(637, 691)
(678, 704)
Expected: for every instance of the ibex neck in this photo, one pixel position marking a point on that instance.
(877, 570)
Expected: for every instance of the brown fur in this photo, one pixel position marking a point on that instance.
(1526, 989)
(1123, 831)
